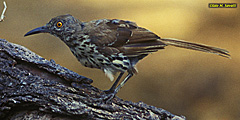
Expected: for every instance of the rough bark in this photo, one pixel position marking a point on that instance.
(32, 87)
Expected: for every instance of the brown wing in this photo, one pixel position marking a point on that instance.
(116, 36)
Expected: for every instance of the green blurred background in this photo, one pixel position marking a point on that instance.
(197, 85)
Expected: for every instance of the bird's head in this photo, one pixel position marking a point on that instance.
(61, 26)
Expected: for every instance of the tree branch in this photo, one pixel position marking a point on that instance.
(32, 87)
(3, 12)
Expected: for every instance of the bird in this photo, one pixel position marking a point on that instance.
(113, 45)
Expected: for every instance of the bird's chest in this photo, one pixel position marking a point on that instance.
(89, 56)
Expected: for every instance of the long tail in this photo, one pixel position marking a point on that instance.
(195, 46)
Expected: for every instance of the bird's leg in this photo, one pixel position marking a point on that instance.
(111, 90)
(111, 95)
(123, 82)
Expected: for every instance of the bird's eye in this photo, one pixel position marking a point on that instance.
(59, 24)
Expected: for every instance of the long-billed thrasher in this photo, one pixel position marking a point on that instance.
(113, 45)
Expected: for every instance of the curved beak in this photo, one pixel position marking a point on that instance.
(42, 29)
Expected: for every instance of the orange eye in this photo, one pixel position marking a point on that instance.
(59, 24)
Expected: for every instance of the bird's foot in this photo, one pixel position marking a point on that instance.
(110, 94)
(108, 91)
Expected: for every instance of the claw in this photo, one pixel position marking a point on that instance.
(109, 95)
(108, 98)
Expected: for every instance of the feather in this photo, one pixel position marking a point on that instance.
(115, 36)
(195, 46)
